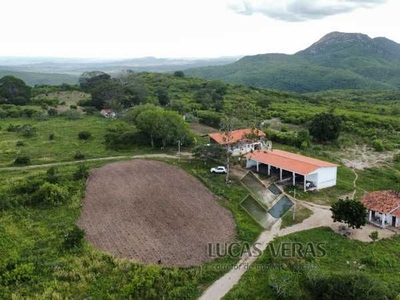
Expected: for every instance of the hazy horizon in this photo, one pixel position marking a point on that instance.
(184, 29)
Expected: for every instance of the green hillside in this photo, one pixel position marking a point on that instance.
(337, 61)
(32, 78)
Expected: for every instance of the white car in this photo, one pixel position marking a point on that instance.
(218, 170)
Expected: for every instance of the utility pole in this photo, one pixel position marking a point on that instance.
(294, 206)
(179, 150)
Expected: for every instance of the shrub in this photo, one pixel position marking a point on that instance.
(27, 130)
(84, 135)
(209, 118)
(51, 136)
(50, 194)
(79, 155)
(20, 143)
(378, 145)
(396, 157)
(81, 173)
(72, 114)
(284, 128)
(13, 128)
(90, 110)
(52, 175)
(73, 107)
(374, 235)
(52, 112)
(19, 274)
(73, 238)
(22, 160)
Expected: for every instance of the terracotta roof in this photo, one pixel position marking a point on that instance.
(235, 135)
(297, 163)
(382, 201)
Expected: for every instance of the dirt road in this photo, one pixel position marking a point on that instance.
(75, 162)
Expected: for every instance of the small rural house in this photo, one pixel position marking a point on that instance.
(314, 173)
(240, 141)
(108, 113)
(383, 208)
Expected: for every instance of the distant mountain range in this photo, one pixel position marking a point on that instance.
(337, 61)
(64, 70)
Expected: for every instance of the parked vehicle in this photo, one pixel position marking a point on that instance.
(218, 170)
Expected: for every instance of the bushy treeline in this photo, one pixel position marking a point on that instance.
(47, 189)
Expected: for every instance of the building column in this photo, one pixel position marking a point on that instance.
(305, 183)
(280, 174)
(269, 170)
(370, 215)
(294, 178)
(258, 167)
(383, 220)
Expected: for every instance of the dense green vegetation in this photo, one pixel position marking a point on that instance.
(45, 253)
(348, 270)
(337, 61)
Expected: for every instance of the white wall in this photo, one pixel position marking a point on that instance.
(326, 177)
(250, 163)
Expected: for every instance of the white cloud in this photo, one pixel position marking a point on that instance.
(300, 10)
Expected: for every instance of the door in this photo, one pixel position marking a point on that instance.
(394, 221)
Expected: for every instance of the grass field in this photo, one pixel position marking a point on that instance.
(42, 150)
(301, 213)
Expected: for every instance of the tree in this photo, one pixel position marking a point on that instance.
(179, 74)
(14, 91)
(135, 90)
(132, 114)
(106, 91)
(212, 151)
(89, 80)
(326, 127)
(349, 211)
(303, 138)
(150, 122)
(165, 126)
(162, 95)
(228, 124)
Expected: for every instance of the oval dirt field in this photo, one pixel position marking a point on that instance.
(149, 211)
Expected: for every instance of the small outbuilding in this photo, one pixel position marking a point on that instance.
(383, 208)
(314, 173)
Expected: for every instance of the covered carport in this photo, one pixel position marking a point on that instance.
(316, 173)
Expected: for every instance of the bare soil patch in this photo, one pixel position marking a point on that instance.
(149, 211)
(361, 157)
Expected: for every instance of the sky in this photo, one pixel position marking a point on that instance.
(184, 28)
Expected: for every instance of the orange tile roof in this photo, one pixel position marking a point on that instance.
(235, 135)
(382, 201)
(297, 163)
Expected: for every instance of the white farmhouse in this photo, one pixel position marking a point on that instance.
(240, 141)
(383, 208)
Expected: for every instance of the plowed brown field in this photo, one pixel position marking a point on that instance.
(149, 211)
